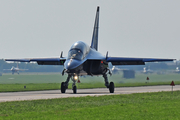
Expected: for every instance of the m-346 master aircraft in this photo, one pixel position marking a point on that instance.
(15, 69)
(86, 60)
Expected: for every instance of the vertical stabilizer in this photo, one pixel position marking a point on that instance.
(94, 43)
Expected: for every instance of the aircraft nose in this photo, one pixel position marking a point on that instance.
(71, 64)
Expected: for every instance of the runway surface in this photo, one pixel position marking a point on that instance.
(50, 94)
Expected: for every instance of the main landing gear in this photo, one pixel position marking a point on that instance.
(64, 85)
(110, 86)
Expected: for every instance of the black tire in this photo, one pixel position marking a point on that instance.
(74, 89)
(111, 87)
(63, 88)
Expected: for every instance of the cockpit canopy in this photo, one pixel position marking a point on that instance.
(78, 50)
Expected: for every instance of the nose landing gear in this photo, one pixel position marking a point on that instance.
(74, 88)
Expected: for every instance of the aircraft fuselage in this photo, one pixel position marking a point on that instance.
(15, 70)
(79, 64)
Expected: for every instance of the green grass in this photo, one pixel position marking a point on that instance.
(52, 81)
(31, 78)
(160, 105)
(58, 78)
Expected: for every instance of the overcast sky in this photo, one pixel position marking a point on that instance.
(128, 28)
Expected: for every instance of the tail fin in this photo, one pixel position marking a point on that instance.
(94, 43)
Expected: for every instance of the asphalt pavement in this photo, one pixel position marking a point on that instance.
(50, 94)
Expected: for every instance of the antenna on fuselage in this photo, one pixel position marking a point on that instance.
(94, 43)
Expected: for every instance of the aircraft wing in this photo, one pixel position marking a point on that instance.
(133, 61)
(23, 69)
(7, 69)
(41, 61)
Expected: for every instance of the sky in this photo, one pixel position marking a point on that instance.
(127, 28)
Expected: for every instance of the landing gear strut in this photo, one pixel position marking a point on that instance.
(110, 86)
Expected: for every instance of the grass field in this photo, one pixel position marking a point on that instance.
(145, 106)
(50, 81)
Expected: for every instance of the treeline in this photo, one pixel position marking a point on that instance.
(32, 67)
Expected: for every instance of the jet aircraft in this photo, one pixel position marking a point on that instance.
(174, 71)
(146, 71)
(116, 70)
(86, 60)
(15, 69)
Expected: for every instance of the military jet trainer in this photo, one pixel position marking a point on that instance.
(83, 59)
(15, 69)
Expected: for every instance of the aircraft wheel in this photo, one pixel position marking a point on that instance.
(63, 88)
(111, 87)
(74, 89)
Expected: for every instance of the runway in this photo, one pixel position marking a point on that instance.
(50, 94)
